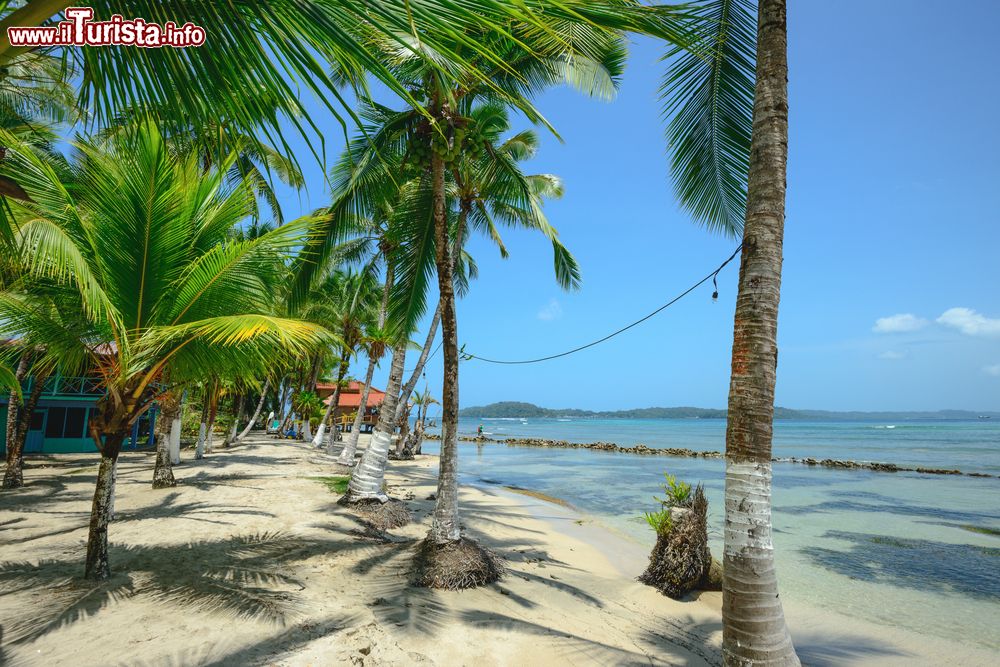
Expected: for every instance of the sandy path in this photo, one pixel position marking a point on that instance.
(251, 562)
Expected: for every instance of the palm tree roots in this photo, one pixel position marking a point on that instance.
(382, 516)
(456, 565)
(681, 561)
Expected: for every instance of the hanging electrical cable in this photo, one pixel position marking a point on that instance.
(715, 295)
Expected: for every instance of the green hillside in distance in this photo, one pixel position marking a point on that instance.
(519, 409)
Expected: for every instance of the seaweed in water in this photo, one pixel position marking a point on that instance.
(911, 563)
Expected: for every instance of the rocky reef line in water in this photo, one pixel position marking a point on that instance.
(643, 450)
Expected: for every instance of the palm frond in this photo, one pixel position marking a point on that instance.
(9, 380)
(707, 95)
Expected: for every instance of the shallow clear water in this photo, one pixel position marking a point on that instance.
(886, 548)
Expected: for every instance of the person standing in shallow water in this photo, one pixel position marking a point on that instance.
(479, 432)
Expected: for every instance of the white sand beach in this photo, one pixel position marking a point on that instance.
(250, 561)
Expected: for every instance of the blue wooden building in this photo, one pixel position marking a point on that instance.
(59, 423)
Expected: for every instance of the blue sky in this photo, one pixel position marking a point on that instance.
(890, 297)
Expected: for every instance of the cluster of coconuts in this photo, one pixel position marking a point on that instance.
(461, 137)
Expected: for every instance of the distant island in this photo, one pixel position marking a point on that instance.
(518, 410)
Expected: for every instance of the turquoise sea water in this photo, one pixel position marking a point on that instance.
(888, 548)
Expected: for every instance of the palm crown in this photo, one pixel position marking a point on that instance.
(143, 239)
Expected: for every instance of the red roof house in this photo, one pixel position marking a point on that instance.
(350, 399)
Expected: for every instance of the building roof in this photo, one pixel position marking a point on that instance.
(350, 395)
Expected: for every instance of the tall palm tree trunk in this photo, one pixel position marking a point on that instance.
(754, 629)
(256, 412)
(351, 444)
(369, 475)
(314, 374)
(445, 527)
(411, 384)
(283, 407)
(98, 566)
(13, 477)
(331, 410)
(163, 473)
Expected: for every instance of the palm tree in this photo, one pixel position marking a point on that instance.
(730, 141)
(256, 413)
(396, 146)
(255, 162)
(375, 343)
(343, 303)
(423, 401)
(490, 186)
(307, 404)
(19, 416)
(135, 246)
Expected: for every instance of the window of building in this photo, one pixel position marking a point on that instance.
(54, 425)
(74, 423)
(65, 423)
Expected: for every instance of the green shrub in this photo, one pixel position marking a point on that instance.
(660, 521)
(677, 494)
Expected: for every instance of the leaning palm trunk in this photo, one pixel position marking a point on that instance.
(417, 441)
(163, 474)
(331, 410)
(351, 445)
(237, 417)
(754, 629)
(14, 474)
(445, 526)
(411, 384)
(283, 402)
(256, 412)
(369, 475)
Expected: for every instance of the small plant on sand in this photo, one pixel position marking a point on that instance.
(680, 561)
(678, 493)
(660, 521)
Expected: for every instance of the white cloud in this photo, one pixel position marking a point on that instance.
(970, 322)
(993, 370)
(892, 355)
(899, 323)
(552, 311)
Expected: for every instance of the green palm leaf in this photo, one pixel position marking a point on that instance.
(9, 380)
(707, 95)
